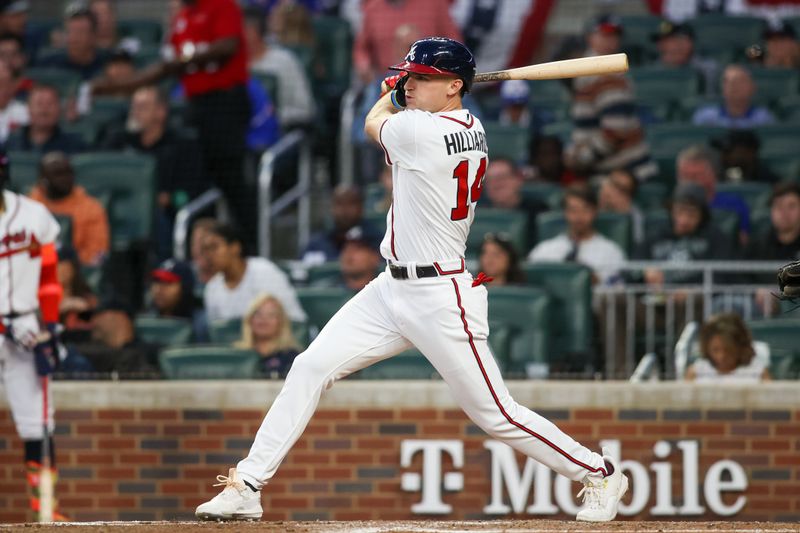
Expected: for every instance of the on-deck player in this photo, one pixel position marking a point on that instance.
(29, 294)
(425, 298)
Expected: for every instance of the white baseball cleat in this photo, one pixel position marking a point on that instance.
(237, 501)
(601, 496)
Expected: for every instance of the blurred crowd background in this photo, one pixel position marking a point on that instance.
(214, 219)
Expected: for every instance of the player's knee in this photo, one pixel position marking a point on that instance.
(309, 365)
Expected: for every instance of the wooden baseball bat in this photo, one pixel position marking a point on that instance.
(556, 70)
(45, 474)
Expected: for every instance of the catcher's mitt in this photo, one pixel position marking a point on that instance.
(789, 282)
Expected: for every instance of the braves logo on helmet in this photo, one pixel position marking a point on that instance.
(440, 55)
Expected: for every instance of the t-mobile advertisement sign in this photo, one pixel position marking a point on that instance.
(536, 490)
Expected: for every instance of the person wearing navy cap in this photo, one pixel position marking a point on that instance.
(781, 48)
(675, 44)
(172, 295)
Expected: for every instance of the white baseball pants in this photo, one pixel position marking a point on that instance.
(446, 319)
(23, 390)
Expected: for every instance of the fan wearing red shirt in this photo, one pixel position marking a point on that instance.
(207, 50)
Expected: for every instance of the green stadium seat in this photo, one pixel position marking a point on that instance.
(324, 273)
(550, 194)
(269, 82)
(614, 226)
(656, 221)
(410, 364)
(373, 194)
(147, 55)
(786, 167)
(795, 22)
(87, 130)
(24, 169)
(332, 55)
(636, 36)
(569, 286)
(128, 180)
(225, 331)
(652, 195)
(727, 222)
(669, 139)
(507, 141)
(489, 220)
(726, 36)
(661, 88)
(562, 130)
(65, 235)
(781, 335)
(163, 331)
(525, 311)
(209, 362)
(320, 304)
(774, 84)
(755, 194)
(376, 220)
(148, 31)
(666, 170)
(66, 81)
(760, 223)
(552, 95)
(305, 55)
(778, 140)
(105, 109)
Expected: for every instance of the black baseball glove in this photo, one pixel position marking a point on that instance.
(789, 282)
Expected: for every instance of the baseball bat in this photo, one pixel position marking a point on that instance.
(45, 475)
(556, 70)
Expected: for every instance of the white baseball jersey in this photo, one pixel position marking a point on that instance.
(25, 226)
(438, 163)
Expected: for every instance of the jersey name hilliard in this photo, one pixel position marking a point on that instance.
(465, 141)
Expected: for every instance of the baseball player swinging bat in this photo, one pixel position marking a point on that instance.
(556, 70)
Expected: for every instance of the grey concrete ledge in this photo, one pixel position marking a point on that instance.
(416, 394)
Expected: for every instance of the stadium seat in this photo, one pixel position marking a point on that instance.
(755, 194)
(225, 331)
(489, 220)
(666, 170)
(147, 55)
(66, 81)
(320, 304)
(332, 55)
(305, 55)
(725, 36)
(410, 364)
(652, 195)
(774, 84)
(550, 194)
(562, 130)
(86, 129)
(65, 234)
(148, 31)
(507, 141)
(326, 272)
(669, 139)
(24, 169)
(781, 335)
(163, 331)
(636, 36)
(209, 362)
(128, 181)
(656, 221)
(786, 167)
(569, 286)
(524, 310)
(778, 140)
(377, 221)
(614, 226)
(661, 88)
(727, 222)
(760, 223)
(551, 96)
(373, 193)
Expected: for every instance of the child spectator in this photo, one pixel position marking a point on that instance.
(729, 353)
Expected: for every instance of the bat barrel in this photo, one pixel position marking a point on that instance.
(556, 70)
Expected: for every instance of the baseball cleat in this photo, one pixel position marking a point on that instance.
(601, 497)
(236, 501)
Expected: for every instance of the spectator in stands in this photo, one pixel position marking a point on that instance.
(295, 103)
(374, 48)
(676, 50)
(114, 346)
(211, 60)
(239, 277)
(201, 263)
(172, 295)
(781, 48)
(14, 20)
(59, 193)
(43, 134)
(267, 330)
(360, 258)
(107, 37)
(782, 240)
(503, 190)
(617, 192)
(291, 23)
(179, 169)
(698, 164)
(500, 260)
(581, 242)
(607, 134)
(737, 109)
(347, 210)
(120, 68)
(12, 51)
(729, 353)
(82, 54)
(13, 113)
(79, 300)
(514, 95)
(690, 236)
(740, 161)
(547, 160)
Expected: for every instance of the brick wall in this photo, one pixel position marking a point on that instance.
(145, 464)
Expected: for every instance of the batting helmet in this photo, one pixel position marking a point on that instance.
(440, 55)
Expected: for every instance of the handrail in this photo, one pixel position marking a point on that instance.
(346, 155)
(267, 209)
(184, 217)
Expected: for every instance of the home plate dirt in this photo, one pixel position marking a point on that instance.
(416, 526)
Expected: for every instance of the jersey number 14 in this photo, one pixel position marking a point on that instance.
(465, 193)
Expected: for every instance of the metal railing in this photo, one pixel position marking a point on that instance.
(183, 218)
(636, 318)
(346, 123)
(268, 208)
